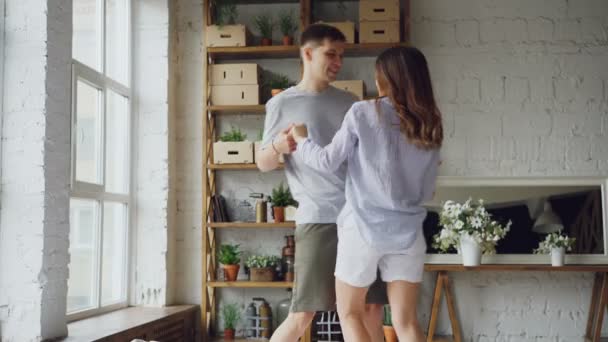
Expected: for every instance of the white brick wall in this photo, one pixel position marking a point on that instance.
(150, 84)
(523, 86)
(35, 170)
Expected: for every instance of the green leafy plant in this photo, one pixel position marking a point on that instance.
(287, 23)
(231, 315)
(234, 135)
(229, 254)
(265, 25)
(281, 196)
(468, 219)
(225, 12)
(260, 135)
(387, 318)
(262, 261)
(279, 81)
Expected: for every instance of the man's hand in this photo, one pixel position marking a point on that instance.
(284, 143)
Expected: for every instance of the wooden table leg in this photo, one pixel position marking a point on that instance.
(449, 298)
(593, 306)
(435, 306)
(603, 302)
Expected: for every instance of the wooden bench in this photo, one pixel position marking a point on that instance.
(597, 306)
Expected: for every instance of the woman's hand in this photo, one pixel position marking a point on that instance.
(298, 132)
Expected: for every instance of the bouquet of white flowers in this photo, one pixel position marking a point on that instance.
(472, 220)
(555, 240)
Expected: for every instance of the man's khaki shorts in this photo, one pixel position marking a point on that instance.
(315, 262)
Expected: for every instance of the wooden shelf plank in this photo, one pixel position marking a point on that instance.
(252, 109)
(522, 267)
(236, 167)
(251, 225)
(251, 284)
(293, 51)
(254, 52)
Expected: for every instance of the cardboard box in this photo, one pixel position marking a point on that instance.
(354, 86)
(230, 152)
(227, 35)
(379, 10)
(379, 32)
(233, 74)
(234, 95)
(346, 27)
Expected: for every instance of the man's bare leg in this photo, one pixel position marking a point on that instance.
(293, 327)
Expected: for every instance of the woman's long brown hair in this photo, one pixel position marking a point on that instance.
(404, 74)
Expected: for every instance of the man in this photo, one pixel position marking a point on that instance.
(320, 195)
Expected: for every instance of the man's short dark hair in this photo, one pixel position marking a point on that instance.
(317, 33)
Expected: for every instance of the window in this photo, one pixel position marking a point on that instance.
(100, 199)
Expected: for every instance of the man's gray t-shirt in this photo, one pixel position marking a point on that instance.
(320, 195)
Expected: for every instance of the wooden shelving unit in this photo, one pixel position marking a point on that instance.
(209, 266)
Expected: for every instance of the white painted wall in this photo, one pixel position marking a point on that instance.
(523, 86)
(151, 108)
(35, 170)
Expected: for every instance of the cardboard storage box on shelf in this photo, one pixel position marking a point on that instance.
(227, 35)
(233, 74)
(379, 32)
(346, 27)
(354, 86)
(235, 95)
(256, 148)
(231, 152)
(379, 10)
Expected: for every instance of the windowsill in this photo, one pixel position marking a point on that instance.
(107, 325)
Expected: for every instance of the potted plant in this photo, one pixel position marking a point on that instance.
(265, 26)
(556, 244)
(278, 83)
(233, 148)
(287, 24)
(470, 229)
(387, 325)
(280, 198)
(232, 316)
(262, 267)
(224, 12)
(230, 257)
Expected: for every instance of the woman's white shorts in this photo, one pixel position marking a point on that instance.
(357, 262)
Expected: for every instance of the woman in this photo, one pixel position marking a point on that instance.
(391, 145)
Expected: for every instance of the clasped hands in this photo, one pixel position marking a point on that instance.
(286, 142)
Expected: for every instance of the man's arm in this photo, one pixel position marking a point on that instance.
(268, 157)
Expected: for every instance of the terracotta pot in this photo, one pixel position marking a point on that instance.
(262, 274)
(274, 92)
(231, 272)
(287, 40)
(389, 333)
(228, 334)
(279, 214)
(266, 41)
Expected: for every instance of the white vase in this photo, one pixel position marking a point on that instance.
(557, 256)
(470, 250)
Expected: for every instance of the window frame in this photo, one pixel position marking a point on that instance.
(97, 192)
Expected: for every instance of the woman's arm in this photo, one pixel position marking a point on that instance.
(330, 157)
